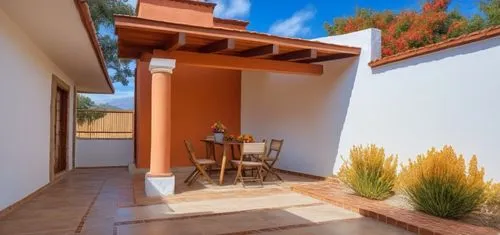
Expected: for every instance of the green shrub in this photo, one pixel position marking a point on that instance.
(369, 172)
(439, 184)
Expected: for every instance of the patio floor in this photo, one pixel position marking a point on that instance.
(102, 201)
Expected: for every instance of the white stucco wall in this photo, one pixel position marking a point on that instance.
(449, 97)
(25, 93)
(307, 111)
(105, 152)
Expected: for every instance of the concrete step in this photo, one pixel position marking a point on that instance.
(208, 207)
(259, 220)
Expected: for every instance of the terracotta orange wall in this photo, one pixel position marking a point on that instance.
(177, 12)
(200, 96)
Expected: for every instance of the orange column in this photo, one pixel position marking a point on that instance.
(161, 117)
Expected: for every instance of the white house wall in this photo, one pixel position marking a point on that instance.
(308, 112)
(104, 152)
(25, 94)
(449, 97)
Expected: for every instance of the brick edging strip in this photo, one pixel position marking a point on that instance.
(329, 191)
(89, 208)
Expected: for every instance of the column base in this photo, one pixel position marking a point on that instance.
(159, 185)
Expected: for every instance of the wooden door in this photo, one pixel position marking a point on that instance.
(61, 131)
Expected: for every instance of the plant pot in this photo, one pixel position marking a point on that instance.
(219, 137)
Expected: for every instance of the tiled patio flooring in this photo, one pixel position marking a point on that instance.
(100, 201)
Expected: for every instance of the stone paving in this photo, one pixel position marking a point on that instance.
(101, 201)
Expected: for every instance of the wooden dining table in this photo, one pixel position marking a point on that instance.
(225, 145)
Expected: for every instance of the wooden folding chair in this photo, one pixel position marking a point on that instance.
(272, 157)
(201, 165)
(250, 149)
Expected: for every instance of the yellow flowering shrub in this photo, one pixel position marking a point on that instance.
(369, 172)
(440, 184)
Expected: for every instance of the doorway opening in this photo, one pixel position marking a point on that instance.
(59, 127)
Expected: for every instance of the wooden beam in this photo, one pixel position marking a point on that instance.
(178, 40)
(151, 26)
(271, 49)
(146, 57)
(239, 63)
(297, 55)
(221, 45)
(327, 58)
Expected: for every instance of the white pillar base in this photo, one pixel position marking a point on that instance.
(159, 186)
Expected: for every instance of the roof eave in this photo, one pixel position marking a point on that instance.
(87, 22)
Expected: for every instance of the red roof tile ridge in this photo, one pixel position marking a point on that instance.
(446, 44)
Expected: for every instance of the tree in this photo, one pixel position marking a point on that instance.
(84, 110)
(102, 12)
(491, 8)
(412, 29)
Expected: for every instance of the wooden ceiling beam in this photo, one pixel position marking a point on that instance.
(297, 55)
(327, 58)
(125, 23)
(218, 46)
(177, 41)
(271, 49)
(239, 63)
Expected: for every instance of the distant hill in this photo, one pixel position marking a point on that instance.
(126, 103)
(107, 106)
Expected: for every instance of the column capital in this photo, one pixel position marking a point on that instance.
(160, 65)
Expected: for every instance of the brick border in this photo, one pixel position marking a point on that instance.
(331, 191)
(87, 212)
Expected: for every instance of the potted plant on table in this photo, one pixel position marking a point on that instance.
(218, 129)
(245, 138)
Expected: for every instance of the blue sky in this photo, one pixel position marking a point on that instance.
(297, 18)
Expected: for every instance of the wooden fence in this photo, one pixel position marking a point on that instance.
(105, 124)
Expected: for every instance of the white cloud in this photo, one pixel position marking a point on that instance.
(295, 26)
(232, 8)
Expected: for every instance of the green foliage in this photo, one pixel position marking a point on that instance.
(476, 23)
(491, 8)
(102, 12)
(369, 172)
(84, 104)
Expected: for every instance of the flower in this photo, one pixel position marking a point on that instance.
(246, 138)
(218, 127)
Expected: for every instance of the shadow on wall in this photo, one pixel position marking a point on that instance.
(347, 71)
(308, 112)
(436, 56)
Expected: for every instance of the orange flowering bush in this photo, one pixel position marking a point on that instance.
(369, 172)
(440, 184)
(412, 29)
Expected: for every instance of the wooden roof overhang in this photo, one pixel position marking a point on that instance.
(140, 38)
